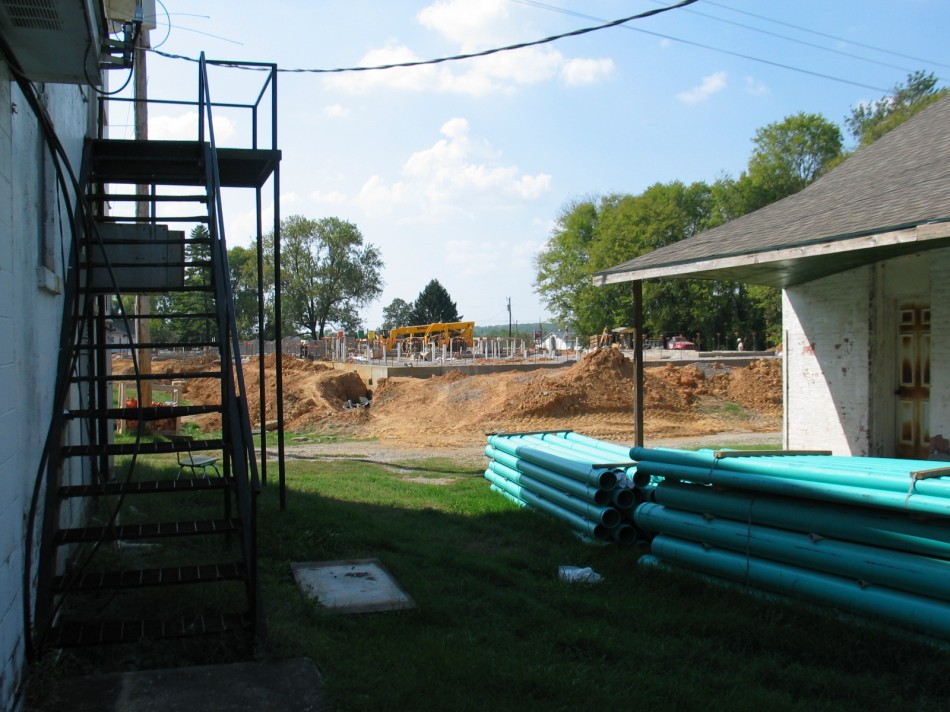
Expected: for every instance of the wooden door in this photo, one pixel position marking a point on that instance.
(913, 387)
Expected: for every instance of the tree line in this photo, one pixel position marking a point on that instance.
(595, 233)
(329, 272)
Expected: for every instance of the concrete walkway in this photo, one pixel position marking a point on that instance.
(285, 685)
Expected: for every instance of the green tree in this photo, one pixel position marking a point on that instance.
(197, 301)
(791, 153)
(397, 313)
(563, 271)
(327, 272)
(434, 305)
(242, 269)
(868, 122)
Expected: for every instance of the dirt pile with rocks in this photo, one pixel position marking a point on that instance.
(594, 396)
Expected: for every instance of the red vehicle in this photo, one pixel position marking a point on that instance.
(680, 342)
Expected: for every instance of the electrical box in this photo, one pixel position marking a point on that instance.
(124, 10)
(54, 40)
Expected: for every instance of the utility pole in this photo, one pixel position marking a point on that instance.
(142, 303)
(509, 317)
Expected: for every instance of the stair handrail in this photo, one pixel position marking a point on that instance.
(219, 259)
(237, 417)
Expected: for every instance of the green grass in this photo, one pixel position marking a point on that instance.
(494, 628)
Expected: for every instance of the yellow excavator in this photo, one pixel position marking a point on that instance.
(454, 335)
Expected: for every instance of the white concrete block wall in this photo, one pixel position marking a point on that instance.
(940, 342)
(827, 363)
(30, 315)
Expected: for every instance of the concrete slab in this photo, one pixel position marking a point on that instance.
(351, 586)
(285, 685)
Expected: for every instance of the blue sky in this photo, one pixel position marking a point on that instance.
(457, 171)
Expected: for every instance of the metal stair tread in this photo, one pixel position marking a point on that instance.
(167, 376)
(152, 412)
(125, 346)
(74, 633)
(150, 530)
(165, 576)
(140, 448)
(189, 484)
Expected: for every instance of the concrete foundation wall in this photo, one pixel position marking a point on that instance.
(35, 225)
(372, 373)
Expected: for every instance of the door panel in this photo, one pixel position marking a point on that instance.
(913, 382)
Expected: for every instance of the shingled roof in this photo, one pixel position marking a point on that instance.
(889, 199)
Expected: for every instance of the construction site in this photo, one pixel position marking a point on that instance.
(454, 404)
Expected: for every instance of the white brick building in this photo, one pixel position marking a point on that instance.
(863, 258)
(36, 236)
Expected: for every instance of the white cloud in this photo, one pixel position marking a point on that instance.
(586, 71)
(477, 257)
(531, 187)
(470, 24)
(710, 85)
(407, 79)
(335, 111)
(376, 197)
(755, 86)
(454, 176)
(471, 257)
(184, 127)
(332, 197)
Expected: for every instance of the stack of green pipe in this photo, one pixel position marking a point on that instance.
(589, 491)
(840, 531)
(861, 481)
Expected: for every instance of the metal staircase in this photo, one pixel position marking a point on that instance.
(90, 578)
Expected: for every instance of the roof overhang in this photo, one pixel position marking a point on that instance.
(794, 265)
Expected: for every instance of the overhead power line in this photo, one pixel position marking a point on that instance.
(825, 34)
(795, 40)
(760, 60)
(472, 55)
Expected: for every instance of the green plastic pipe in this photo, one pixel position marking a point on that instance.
(574, 456)
(899, 570)
(798, 488)
(623, 499)
(866, 473)
(573, 487)
(607, 516)
(574, 451)
(585, 451)
(599, 477)
(917, 613)
(875, 527)
(510, 497)
(624, 534)
(617, 450)
(530, 468)
(575, 521)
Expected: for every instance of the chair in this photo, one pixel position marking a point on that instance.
(196, 463)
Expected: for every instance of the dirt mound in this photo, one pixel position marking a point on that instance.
(758, 386)
(594, 396)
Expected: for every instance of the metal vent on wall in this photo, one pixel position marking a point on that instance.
(32, 14)
(54, 40)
